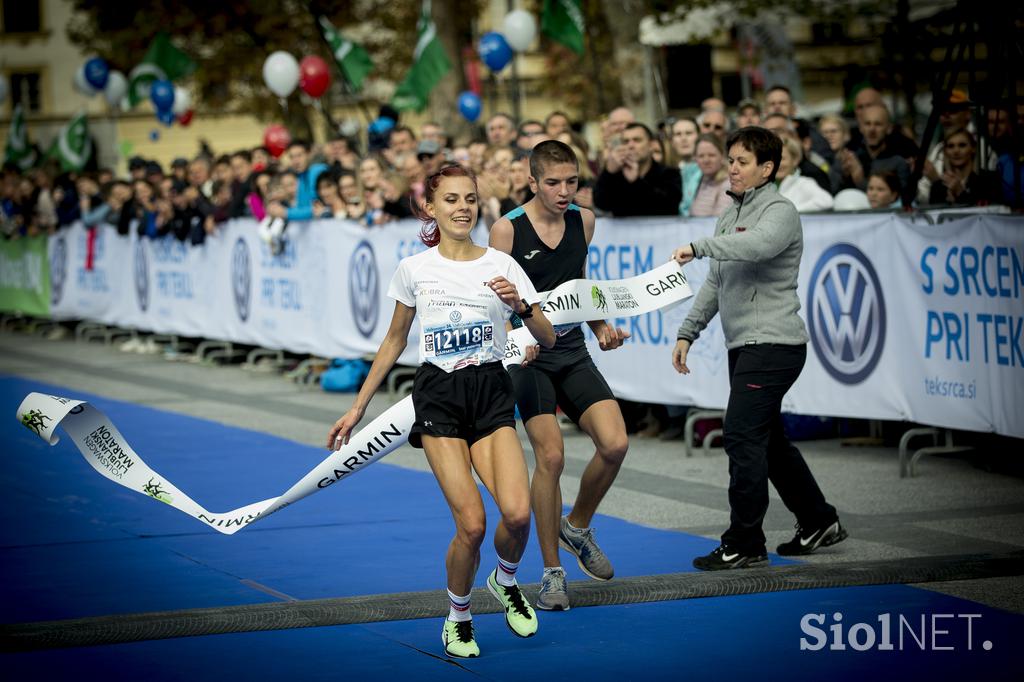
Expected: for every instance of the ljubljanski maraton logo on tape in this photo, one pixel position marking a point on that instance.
(364, 288)
(846, 314)
(600, 302)
(141, 275)
(35, 420)
(156, 492)
(241, 278)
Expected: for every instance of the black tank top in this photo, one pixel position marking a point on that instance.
(547, 267)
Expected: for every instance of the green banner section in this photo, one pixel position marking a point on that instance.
(24, 276)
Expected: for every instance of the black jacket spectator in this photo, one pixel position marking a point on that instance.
(656, 193)
(809, 170)
(654, 188)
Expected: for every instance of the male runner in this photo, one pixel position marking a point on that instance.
(549, 237)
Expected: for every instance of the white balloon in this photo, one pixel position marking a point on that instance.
(281, 73)
(182, 101)
(519, 29)
(3, 88)
(82, 85)
(117, 88)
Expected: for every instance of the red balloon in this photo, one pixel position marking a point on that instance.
(186, 118)
(276, 139)
(314, 77)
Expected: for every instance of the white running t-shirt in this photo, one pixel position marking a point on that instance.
(462, 321)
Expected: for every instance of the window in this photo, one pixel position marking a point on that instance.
(21, 16)
(26, 89)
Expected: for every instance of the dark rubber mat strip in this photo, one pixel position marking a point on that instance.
(410, 605)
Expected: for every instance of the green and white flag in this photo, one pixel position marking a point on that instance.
(163, 61)
(352, 59)
(430, 64)
(72, 146)
(19, 150)
(562, 21)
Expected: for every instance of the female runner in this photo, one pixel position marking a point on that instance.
(463, 398)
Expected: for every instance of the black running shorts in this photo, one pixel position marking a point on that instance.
(469, 403)
(574, 386)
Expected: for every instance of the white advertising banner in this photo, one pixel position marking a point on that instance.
(908, 321)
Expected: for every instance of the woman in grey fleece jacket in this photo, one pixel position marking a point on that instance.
(751, 283)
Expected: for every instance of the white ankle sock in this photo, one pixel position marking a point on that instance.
(458, 609)
(506, 573)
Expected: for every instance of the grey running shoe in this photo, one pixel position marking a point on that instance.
(553, 594)
(589, 556)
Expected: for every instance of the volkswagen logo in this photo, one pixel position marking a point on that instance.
(141, 275)
(846, 314)
(363, 288)
(58, 269)
(241, 278)
(455, 317)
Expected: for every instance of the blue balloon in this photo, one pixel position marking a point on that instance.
(495, 51)
(97, 73)
(469, 105)
(162, 94)
(166, 116)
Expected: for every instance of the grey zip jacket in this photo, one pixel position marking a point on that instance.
(756, 249)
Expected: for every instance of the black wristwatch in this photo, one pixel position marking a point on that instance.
(526, 313)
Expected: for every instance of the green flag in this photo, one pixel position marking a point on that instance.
(429, 64)
(562, 21)
(162, 61)
(352, 59)
(19, 150)
(72, 146)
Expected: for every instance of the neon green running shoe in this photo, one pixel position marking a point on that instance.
(458, 639)
(519, 615)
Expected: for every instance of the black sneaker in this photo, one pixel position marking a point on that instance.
(725, 557)
(807, 540)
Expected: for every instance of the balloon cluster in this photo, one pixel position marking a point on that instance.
(283, 74)
(171, 102)
(95, 76)
(496, 50)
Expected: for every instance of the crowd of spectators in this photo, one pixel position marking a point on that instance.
(679, 168)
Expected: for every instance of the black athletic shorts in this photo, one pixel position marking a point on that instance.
(469, 403)
(571, 382)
